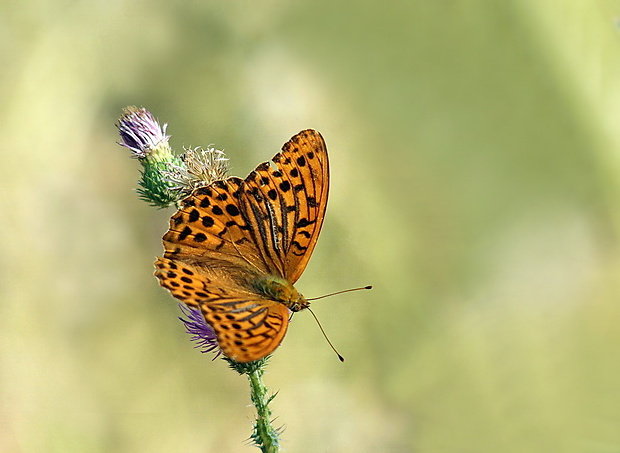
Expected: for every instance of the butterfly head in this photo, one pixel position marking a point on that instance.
(280, 290)
(299, 304)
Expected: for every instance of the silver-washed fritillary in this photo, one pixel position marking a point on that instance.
(236, 247)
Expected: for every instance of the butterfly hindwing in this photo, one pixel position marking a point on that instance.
(247, 329)
(247, 325)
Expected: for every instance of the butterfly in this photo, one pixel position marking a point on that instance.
(236, 247)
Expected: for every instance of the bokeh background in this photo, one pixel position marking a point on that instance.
(475, 155)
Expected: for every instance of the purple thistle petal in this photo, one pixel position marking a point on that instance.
(140, 131)
(201, 333)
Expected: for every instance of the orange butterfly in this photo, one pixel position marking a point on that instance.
(236, 247)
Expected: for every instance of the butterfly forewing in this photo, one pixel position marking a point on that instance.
(230, 235)
(210, 224)
(286, 204)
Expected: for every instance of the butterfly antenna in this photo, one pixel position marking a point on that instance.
(325, 335)
(340, 292)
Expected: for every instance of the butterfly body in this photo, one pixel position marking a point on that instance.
(236, 247)
(278, 289)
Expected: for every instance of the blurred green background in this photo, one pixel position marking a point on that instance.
(475, 161)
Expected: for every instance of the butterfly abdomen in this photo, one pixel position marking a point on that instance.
(280, 290)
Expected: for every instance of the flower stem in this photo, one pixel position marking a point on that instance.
(265, 436)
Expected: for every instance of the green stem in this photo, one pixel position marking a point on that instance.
(264, 434)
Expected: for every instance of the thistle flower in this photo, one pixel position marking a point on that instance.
(166, 178)
(200, 167)
(201, 332)
(141, 133)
